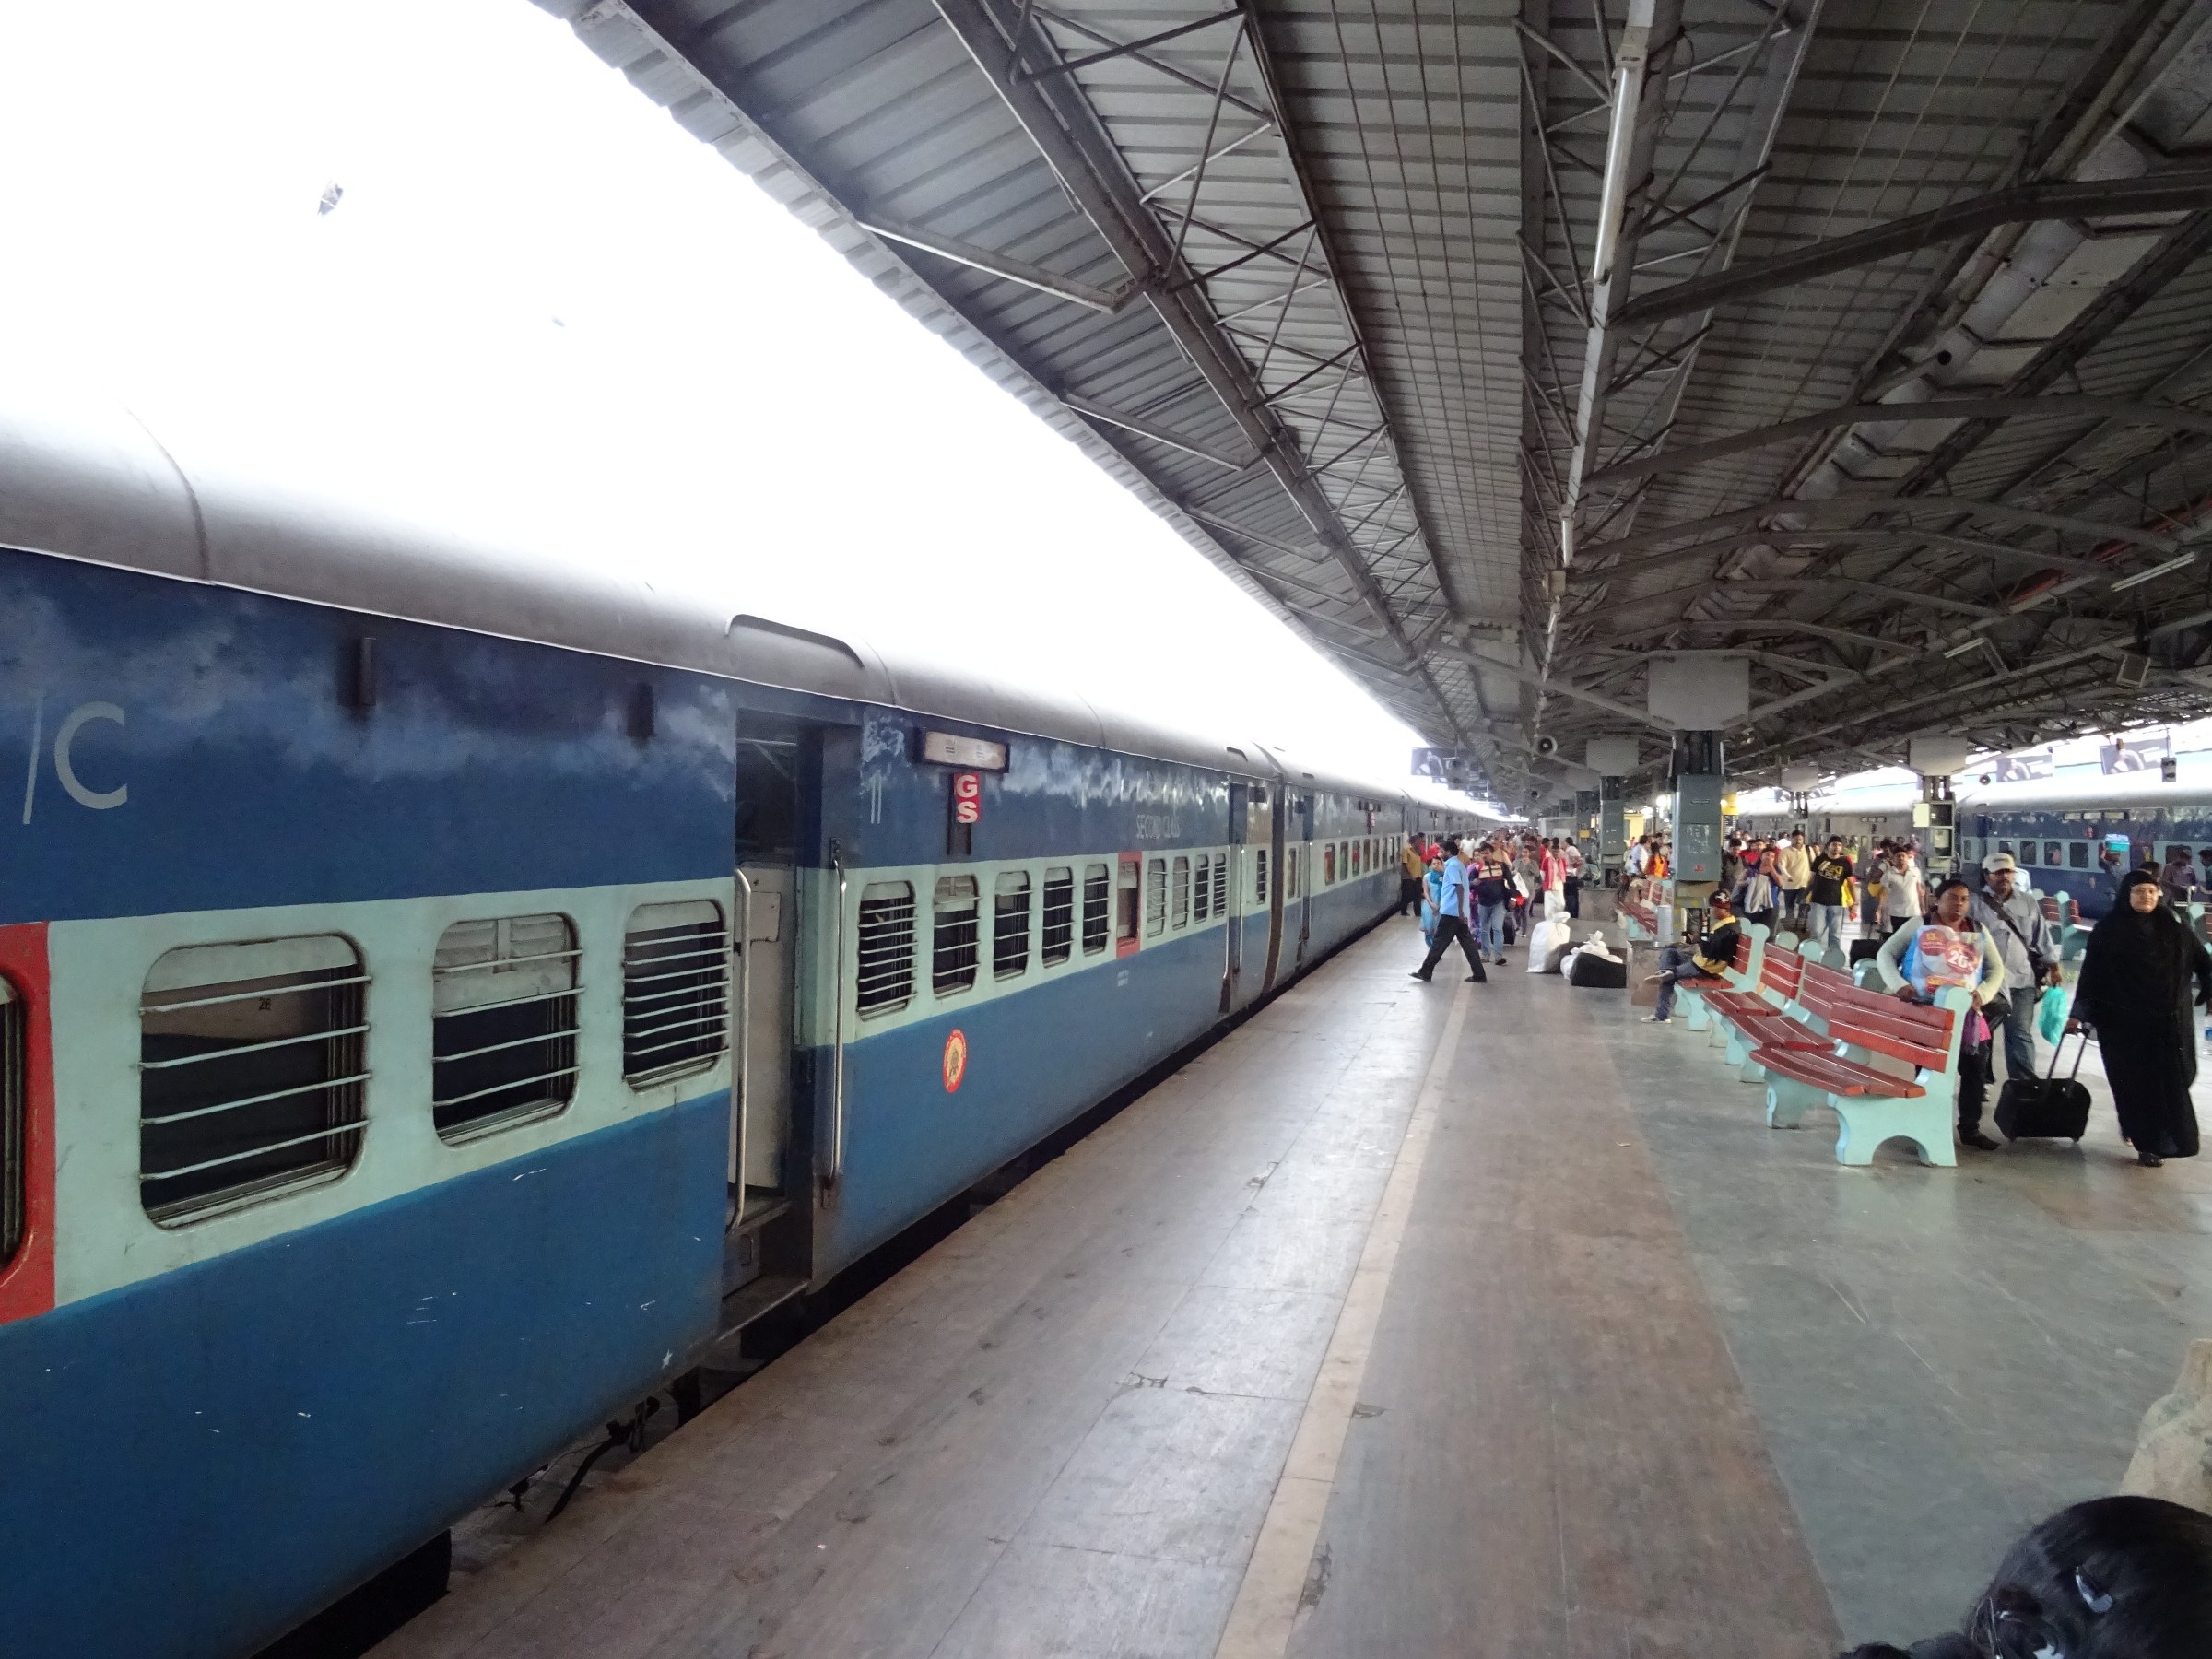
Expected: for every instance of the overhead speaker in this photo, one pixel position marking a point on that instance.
(2135, 668)
(1547, 745)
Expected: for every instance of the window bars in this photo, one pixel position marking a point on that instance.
(955, 923)
(1010, 925)
(885, 963)
(1098, 908)
(675, 991)
(503, 1023)
(251, 1072)
(1059, 915)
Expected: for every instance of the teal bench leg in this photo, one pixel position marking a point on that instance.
(1786, 1101)
(1869, 1120)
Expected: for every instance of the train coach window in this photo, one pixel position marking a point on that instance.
(14, 1162)
(503, 1023)
(1155, 897)
(250, 1072)
(884, 964)
(1059, 916)
(1328, 866)
(1259, 880)
(2077, 856)
(2026, 853)
(1202, 894)
(1125, 902)
(1097, 902)
(676, 990)
(1182, 892)
(1222, 885)
(1010, 925)
(955, 923)
(2004, 846)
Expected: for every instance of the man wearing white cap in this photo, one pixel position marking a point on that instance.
(2015, 919)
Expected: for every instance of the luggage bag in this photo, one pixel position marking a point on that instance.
(2046, 1108)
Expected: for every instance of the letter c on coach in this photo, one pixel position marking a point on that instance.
(65, 767)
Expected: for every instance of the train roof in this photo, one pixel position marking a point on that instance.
(91, 481)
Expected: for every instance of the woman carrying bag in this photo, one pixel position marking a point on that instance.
(2141, 977)
(1946, 948)
(1759, 899)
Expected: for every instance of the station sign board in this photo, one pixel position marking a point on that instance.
(948, 748)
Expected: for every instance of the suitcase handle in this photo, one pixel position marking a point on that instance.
(2080, 1053)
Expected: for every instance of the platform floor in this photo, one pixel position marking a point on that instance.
(1410, 1320)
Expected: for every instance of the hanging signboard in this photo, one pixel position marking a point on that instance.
(947, 749)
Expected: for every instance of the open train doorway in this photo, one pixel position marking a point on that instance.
(766, 1256)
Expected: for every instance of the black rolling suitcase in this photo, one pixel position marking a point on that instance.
(1861, 949)
(2046, 1108)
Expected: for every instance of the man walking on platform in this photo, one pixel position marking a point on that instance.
(1412, 866)
(1823, 898)
(1451, 922)
(1795, 865)
(2015, 919)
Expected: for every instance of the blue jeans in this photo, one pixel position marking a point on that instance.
(2019, 1032)
(1825, 924)
(1489, 929)
(1675, 962)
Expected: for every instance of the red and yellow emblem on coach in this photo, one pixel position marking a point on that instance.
(955, 1059)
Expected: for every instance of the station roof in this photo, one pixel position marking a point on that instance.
(1499, 346)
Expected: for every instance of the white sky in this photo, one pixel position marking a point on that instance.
(543, 310)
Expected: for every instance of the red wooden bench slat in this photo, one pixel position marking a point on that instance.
(1732, 1004)
(1931, 1025)
(1772, 1029)
(1887, 1042)
(1907, 1031)
(1836, 1076)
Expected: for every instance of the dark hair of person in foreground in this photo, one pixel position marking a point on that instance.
(2116, 1578)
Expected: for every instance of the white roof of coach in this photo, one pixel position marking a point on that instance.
(93, 482)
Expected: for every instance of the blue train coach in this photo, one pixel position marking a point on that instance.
(437, 1001)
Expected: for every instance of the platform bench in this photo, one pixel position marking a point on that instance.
(1888, 1069)
(1741, 1017)
(1742, 971)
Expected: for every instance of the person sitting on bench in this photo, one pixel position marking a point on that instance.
(1702, 962)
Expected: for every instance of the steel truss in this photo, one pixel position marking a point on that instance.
(1497, 351)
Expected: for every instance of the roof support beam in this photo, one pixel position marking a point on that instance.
(2119, 410)
(1640, 59)
(1066, 131)
(1565, 687)
(2181, 191)
(1108, 302)
(1861, 506)
(1159, 434)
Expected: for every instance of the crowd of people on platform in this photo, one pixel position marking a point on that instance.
(1481, 894)
(2144, 974)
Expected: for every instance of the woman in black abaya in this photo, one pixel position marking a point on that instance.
(2140, 978)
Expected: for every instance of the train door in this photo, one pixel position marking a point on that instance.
(1308, 868)
(766, 1255)
(1277, 812)
(1232, 918)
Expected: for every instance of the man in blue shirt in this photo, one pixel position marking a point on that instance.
(1452, 920)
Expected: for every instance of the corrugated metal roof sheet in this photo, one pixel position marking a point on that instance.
(1319, 279)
